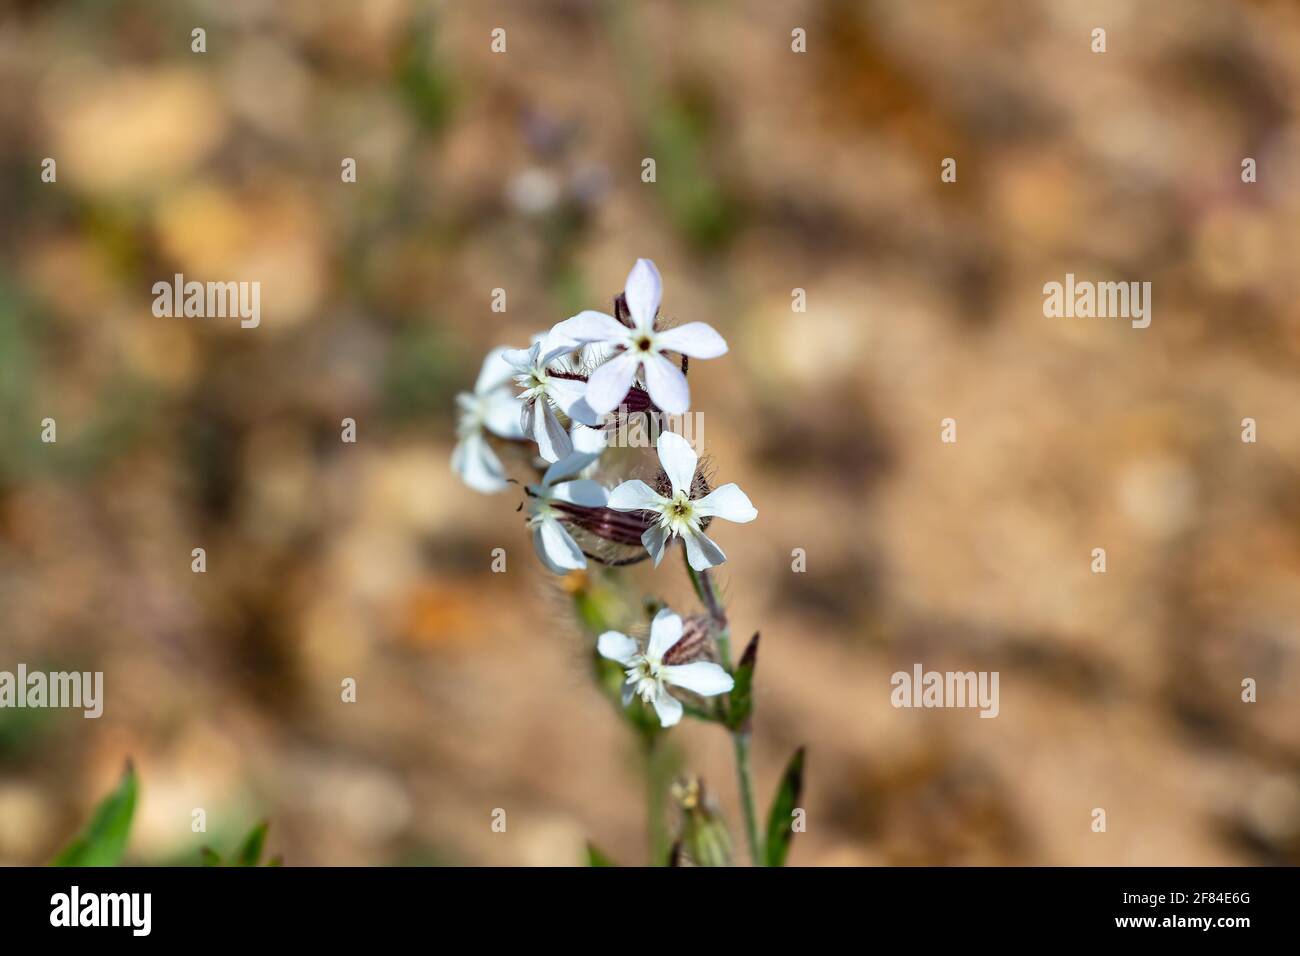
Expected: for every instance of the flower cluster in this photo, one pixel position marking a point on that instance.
(562, 394)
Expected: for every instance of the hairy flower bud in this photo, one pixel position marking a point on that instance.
(704, 837)
(696, 643)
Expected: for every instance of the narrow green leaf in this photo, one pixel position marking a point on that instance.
(103, 841)
(250, 851)
(740, 708)
(596, 858)
(780, 830)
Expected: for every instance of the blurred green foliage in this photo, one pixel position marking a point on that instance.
(423, 374)
(423, 81)
(103, 841)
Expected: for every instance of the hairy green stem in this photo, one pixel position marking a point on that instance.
(740, 742)
(659, 763)
(707, 591)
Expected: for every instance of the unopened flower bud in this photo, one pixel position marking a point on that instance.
(696, 644)
(704, 837)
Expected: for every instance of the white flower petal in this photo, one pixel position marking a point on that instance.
(607, 386)
(701, 552)
(549, 349)
(571, 395)
(667, 385)
(702, 677)
(589, 441)
(629, 691)
(478, 465)
(496, 371)
(653, 539)
(668, 707)
(696, 339)
(643, 291)
(501, 414)
(584, 492)
(590, 326)
(635, 495)
(552, 440)
(616, 647)
(588, 445)
(678, 459)
(527, 416)
(728, 503)
(520, 360)
(570, 466)
(558, 551)
(565, 392)
(582, 413)
(665, 631)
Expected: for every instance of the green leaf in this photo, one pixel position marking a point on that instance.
(250, 851)
(596, 858)
(103, 841)
(780, 831)
(424, 82)
(209, 856)
(740, 708)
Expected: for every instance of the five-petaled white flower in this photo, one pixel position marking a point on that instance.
(648, 677)
(552, 541)
(680, 515)
(641, 347)
(543, 384)
(490, 406)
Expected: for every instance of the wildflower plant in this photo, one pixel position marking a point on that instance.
(592, 512)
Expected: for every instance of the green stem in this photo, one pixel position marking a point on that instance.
(659, 764)
(707, 591)
(740, 742)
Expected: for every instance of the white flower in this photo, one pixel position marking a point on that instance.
(542, 384)
(649, 677)
(552, 541)
(641, 348)
(490, 406)
(680, 515)
(588, 445)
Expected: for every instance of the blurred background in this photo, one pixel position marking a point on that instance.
(775, 171)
